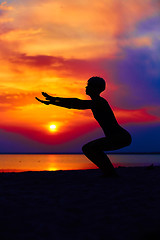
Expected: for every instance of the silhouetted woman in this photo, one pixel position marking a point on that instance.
(115, 138)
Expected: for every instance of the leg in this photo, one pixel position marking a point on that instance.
(95, 152)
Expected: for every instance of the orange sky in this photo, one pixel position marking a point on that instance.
(55, 46)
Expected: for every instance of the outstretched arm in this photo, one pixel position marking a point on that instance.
(74, 103)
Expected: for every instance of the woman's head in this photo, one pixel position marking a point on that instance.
(96, 85)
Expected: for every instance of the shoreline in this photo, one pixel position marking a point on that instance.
(149, 166)
(79, 204)
(21, 163)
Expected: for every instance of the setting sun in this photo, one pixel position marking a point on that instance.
(52, 127)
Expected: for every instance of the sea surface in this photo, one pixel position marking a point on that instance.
(53, 162)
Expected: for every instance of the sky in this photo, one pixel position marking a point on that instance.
(55, 47)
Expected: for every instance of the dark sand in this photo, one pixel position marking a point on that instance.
(80, 205)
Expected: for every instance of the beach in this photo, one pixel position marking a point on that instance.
(80, 204)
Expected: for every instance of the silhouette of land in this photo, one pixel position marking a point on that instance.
(80, 205)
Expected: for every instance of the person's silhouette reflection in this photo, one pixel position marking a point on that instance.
(115, 138)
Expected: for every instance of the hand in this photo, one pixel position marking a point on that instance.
(45, 102)
(48, 97)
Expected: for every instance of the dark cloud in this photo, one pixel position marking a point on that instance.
(39, 60)
(46, 138)
(138, 76)
(135, 77)
(149, 25)
(145, 139)
(66, 67)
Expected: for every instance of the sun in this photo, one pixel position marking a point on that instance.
(52, 127)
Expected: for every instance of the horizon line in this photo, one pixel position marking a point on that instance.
(78, 153)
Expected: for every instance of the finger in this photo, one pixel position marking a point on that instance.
(45, 102)
(38, 99)
(45, 94)
(48, 97)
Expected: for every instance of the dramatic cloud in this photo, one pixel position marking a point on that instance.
(67, 33)
(55, 46)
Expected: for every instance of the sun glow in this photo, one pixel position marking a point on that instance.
(52, 127)
(53, 169)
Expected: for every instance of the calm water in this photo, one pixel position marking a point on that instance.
(53, 162)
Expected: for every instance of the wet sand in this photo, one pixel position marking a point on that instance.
(80, 204)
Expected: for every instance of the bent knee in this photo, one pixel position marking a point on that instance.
(126, 142)
(84, 148)
(87, 148)
(129, 140)
(91, 148)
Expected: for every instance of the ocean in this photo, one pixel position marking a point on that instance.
(53, 162)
